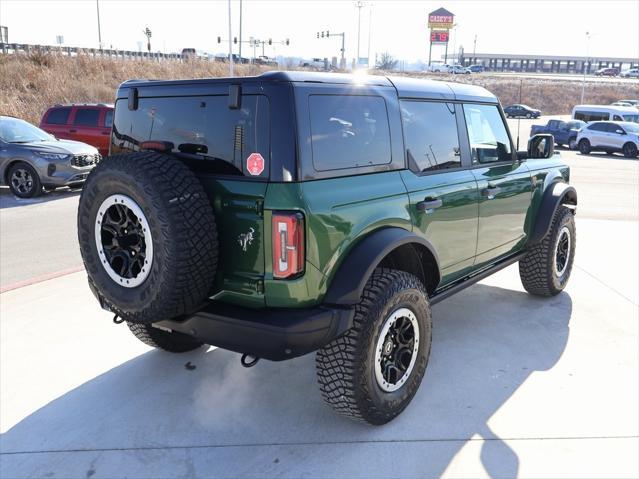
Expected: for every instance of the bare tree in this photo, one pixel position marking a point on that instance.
(386, 62)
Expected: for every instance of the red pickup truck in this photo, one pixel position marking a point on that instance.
(88, 122)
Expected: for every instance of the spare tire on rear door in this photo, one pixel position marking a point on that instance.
(147, 236)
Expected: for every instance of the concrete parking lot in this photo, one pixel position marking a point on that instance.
(516, 385)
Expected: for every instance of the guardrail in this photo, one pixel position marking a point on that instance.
(21, 48)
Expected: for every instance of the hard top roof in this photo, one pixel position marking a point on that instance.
(406, 87)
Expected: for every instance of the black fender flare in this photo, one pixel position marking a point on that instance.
(556, 195)
(350, 279)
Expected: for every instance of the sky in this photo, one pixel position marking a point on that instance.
(398, 27)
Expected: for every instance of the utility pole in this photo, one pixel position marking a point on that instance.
(147, 34)
(370, 19)
(230, 43)
(359, 23)
(240, 54)
(583, 83)
(97, 5)
(474, 47)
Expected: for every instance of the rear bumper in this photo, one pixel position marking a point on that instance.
(275, 334)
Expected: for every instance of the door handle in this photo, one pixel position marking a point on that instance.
(429, 203)
(491, 192)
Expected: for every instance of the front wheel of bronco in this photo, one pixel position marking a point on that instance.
(546, 268)
(373, 371)
(162, 339)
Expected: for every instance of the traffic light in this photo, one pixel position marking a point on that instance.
(327, 34)
(270, 41)
(318, 35)
(219, 39)
(235, 40)
(287, 41)
(147, 32)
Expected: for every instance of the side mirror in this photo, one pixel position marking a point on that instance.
(541, 146)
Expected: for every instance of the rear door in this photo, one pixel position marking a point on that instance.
(85, 125)
(441, 187)
(57, 122)
(505, 187)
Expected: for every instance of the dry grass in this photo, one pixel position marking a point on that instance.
(30, 84)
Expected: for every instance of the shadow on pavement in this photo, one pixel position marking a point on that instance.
(487, 342)
(9, 200)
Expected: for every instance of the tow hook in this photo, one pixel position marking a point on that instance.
(117, 319)
(248, 360)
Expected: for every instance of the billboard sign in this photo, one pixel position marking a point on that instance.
(440, 19)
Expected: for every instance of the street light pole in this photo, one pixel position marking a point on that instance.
(359, 23)
(97, 5)
(583, 83)
(240, 53)
(230, 42)
(370, 19)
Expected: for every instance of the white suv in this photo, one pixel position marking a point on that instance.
(610, 136)
(631, 73)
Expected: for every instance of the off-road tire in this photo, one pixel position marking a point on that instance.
(172, 342)
(584, 146)
(36, 186)
(182, 228)
(537, 270)
(345, 367)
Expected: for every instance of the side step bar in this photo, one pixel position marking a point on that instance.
(464, 283)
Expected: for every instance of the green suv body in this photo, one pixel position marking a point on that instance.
(292, 212)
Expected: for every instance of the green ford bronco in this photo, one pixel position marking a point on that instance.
(289, 213)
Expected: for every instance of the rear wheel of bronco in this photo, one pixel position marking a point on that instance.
(167, 340)
(373, 371)
(147, 236)
(545, 270)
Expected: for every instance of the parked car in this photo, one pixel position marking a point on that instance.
(476, 68)
(611, 137)
(634, 103)
(607, 72)
(458, 69)
(517, 111)
(590, 113)
(338, 217)
(630, 73)
(88, 122)
(439, 68)
(31, 159)
(621, 103)
(564, 132)
(315, 63)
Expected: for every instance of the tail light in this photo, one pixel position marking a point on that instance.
(288, 244)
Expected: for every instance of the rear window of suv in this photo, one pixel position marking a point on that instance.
(348, 131)
(202, 126)
(58, 116)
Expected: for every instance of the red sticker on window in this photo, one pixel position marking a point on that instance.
(255, 164)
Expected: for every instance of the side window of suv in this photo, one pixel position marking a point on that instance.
(58, 116)
(108, 119)
(348, 131)
(430, 135)
(86, 117)
(489, 141)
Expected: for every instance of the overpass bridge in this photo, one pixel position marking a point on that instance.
(542, 63)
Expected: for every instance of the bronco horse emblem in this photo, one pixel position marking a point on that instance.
(246, 239)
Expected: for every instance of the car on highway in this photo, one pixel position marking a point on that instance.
(519, 111)
(459, 70)
(86, 122)
(611, 137)
(476, 68)
(295, 212)
(607, 72)
(634, 103)
(590, 113)
(564, 132)
(630, 73)
(31, 159)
